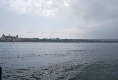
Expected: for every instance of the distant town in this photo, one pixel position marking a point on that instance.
(16, 38)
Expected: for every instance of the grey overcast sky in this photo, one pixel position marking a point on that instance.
(60, 18)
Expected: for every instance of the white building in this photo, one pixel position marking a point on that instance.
(10, 38)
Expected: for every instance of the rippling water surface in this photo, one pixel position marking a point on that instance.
(59, 61)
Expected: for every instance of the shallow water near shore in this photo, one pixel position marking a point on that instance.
(59, 61)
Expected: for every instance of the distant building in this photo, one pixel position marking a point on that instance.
(10, 38)
(29, 39)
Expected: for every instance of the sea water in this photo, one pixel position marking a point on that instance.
(58, 61)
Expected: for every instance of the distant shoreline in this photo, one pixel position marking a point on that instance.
(17, 39)
(70, 40)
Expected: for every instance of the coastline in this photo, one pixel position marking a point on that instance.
(68, 40)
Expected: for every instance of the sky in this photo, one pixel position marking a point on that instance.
(85, 19)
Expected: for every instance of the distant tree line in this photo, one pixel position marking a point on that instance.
(67, 40)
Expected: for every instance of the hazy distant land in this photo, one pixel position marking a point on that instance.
(65, 40)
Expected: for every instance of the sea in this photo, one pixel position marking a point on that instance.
(58, 61)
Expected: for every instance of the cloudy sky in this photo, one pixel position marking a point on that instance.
(60, 18)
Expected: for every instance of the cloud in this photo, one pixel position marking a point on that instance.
(100, 17)
(2, 2)
(90, 18)
(37, 7)
(87, 10)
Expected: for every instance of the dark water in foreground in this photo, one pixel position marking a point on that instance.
(59, 61)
